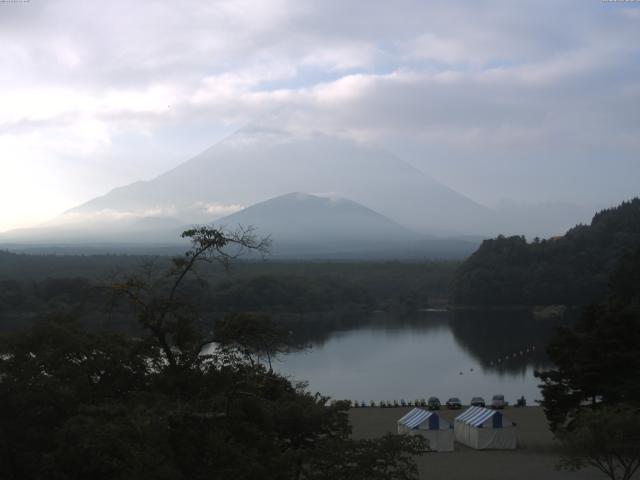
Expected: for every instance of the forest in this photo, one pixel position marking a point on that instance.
(569, 270)
(34, 286)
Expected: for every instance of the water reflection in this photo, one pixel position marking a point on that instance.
(508, 342)
(445, 354)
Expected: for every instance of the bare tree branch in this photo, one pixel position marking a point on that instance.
(154, 297)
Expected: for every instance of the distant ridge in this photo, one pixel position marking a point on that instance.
(301, 217)
(301, 226)
(314, 227)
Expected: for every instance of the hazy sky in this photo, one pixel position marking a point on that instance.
(533, 100)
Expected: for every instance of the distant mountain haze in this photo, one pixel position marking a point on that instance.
(543, 219)
(300, 226)
(256, 164)
(102, 230)
(309, 226)
(299, 217)
(354, 199)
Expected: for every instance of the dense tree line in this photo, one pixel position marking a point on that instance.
(290, 293)
(284, 289)
(570, 270)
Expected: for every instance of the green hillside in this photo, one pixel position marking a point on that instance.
(572, 269)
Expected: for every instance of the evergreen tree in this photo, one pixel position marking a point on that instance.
(598, 360)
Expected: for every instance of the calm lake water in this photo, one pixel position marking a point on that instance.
(439, 354)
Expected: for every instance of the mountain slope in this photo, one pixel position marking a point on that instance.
(309, 226)
(299, 217)
(255, 164)
(100, 231)
(300, 225)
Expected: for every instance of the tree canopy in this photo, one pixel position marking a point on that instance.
(607, 439)
(592, 396)
(572, 269)
(598, 360)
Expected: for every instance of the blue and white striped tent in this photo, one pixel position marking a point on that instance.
(437, 431)
(481, 428)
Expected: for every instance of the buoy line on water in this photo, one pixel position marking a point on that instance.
(510, 356)
(422, 402)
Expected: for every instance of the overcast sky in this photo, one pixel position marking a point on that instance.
(530, 100)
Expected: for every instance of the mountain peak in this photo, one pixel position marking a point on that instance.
(259, 163)
(302, 218)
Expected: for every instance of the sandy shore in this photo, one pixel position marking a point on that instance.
(534, 459)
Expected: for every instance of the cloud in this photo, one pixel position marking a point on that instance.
(107, 215)
(217, 210)
(97, 86)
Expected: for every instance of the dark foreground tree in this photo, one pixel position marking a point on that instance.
(77, 404)
(381, 459)
(162, 307)
(255, 336)
(592, 397)
(607, 438)
(598, 360)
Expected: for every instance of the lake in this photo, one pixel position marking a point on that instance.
(443, 354)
